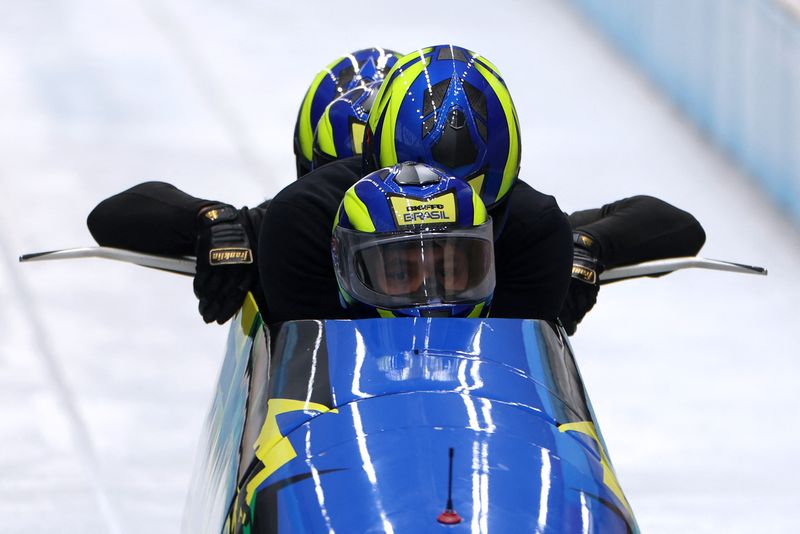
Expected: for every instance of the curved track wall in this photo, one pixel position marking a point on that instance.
(733, 66)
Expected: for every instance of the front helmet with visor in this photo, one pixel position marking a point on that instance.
(427, 269)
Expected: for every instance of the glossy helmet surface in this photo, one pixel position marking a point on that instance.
(340, 130)
(448, 107)
(411, 240)
(343, 74)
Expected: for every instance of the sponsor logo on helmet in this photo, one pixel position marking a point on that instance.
(423, 217)
(426, 207)
(438, 210)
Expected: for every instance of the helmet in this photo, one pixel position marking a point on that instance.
(345, 73)
(448, 107)
(340, 130)
(412, 241)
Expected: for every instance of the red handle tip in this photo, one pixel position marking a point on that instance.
(449, 517)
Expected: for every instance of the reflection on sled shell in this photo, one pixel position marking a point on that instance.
(345, 426)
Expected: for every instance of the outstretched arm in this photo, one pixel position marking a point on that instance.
(631, 230)
(158, 218)
(640, 228)
(152, 217)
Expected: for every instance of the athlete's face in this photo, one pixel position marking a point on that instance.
(416, 271)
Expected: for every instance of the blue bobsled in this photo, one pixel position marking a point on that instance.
(346, 427)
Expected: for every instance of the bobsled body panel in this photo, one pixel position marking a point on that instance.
(381, 464)
(349, 424)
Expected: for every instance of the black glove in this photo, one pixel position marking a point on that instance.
(583, 286)
(226, 267)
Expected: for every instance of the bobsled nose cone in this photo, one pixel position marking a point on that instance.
(381, 465)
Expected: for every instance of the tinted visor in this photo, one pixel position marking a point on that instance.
(409, 270)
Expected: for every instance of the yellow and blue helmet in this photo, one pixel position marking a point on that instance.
(448, 107)
(345, 73)
(411, 241)
(340, 130)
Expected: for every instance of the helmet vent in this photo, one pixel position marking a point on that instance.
(456, 54)
(345, 77)
(455, 147)
(456, 119)
(428, 125)
(368, 70)
(434, 97)
(416, 175)
(482, 130)
(477, 100)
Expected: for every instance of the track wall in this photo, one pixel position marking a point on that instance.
(733, 66)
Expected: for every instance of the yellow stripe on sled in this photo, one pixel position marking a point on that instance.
(609, 478)
(272, 448)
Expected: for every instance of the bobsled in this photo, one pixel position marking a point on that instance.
(417, 425)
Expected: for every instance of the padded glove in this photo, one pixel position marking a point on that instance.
(226, 264)
(583, 286)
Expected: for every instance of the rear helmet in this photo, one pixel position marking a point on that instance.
(357, 68)
(448, 107)
(411, 241)
(340, 130)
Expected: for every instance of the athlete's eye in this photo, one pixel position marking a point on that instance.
(397, 276)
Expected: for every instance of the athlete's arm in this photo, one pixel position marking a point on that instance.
(631, 230)
(640, 228)
(153, 217)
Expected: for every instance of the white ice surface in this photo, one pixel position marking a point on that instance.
(106, 370)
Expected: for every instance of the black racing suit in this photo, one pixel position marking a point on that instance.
(533, 254)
